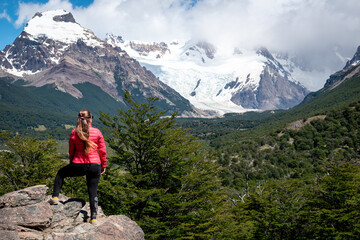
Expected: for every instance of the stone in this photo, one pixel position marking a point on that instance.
(10, 232)
(24, 197)
(84, 216)
(37, 216)
(27, 214)
(113, 227)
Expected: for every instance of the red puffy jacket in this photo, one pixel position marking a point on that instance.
(76, 148)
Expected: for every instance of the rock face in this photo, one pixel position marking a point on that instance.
(274, 91)
(26, 214)
(145, 49)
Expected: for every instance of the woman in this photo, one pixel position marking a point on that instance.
(87, 154)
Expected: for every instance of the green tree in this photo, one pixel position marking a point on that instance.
(160, 177)
(272, 211)
(27, 162)
(334, 205)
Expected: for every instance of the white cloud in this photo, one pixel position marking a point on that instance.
(277, 24)
(154, 20)
(5, 15)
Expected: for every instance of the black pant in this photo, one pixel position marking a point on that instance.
(92, 173)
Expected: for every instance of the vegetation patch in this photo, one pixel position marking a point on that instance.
(40, 128)
(68, 126)
(297, 125)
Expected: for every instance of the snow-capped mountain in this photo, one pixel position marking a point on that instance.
(43, 42)
(56, 51)
(224, 82)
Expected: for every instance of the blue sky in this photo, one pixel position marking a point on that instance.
(277, 24)
(9, 14)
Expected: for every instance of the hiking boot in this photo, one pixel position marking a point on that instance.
(93, 222)
(54, 201)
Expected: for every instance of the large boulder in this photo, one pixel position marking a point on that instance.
(27, 214)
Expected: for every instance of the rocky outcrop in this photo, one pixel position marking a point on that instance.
(201, 49)
(26, 214)
(145, 49)
(65, 18)
(274, 92)
(209, 49)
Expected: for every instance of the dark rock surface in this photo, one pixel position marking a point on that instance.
(274, 92)
(27, 214)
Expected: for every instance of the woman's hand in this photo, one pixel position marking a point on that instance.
(103, 169)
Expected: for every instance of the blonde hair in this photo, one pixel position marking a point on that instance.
(82, 129)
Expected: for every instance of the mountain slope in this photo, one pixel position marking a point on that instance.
(55, 51)
(24, 109)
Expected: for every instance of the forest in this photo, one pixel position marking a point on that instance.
(297, 180)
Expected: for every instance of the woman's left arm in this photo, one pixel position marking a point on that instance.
(102, 150)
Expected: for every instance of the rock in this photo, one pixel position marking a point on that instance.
(21, 235)
(24, 197)
(274, 92)
(113, 227)
(27, 214)
(36, 216)
(65, 18)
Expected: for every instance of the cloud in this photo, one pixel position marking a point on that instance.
(5, 15)
(156, 20)
(278, 24)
